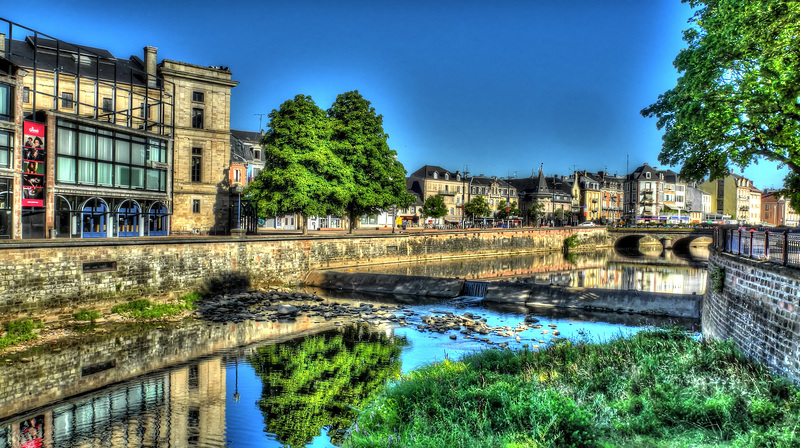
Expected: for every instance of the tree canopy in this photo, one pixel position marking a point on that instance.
(301, 174)
(737, 100)
(434, 207)
(358, 139)
(477, 206)
(503, 214)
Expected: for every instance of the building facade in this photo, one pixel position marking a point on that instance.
(88, 140)
(776, 211)
(735, 196)
(432, 180)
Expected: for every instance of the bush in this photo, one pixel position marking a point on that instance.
(19, 331)
(87, 315)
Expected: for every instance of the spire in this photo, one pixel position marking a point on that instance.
(542, 184)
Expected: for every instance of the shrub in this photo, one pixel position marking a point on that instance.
(87, 315)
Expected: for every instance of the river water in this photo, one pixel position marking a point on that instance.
(302, 391)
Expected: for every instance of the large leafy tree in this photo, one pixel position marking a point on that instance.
(301, 174)
(358, 139)
(737, 100)
(477, 207)
(513, 210)
(434, 207)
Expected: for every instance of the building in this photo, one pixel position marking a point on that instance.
(734, 195)
(88, 141)
(553, 193)
(698, 204)
(611, 195)
(432, 180)
(589, 196)
(776, 211)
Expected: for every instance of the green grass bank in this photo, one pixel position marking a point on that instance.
(660, 388)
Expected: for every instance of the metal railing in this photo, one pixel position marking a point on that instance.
(775, 246)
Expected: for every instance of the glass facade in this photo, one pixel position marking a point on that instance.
(6, 149)
(86, 155)
(6, 199)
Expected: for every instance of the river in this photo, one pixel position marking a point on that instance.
(256, 384)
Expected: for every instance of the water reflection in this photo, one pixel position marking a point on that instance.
(649, 269)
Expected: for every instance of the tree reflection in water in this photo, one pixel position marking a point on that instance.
(317, 381)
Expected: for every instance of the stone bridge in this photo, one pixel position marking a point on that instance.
(635, 237)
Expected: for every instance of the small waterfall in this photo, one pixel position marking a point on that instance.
(475, 289)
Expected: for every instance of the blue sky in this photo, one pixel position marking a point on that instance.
(497, 87)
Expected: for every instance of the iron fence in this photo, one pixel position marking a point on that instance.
(774, 246)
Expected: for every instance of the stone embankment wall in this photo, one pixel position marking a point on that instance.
(757, 307)
(57, 277)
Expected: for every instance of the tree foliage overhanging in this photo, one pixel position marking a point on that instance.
(737, 100)
(319, 163)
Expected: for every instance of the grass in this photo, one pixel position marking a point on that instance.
(19, 331)
(87, 315)
(145, 309)
(654, 389)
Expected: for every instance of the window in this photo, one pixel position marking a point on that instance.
(6, 148)
(197, 118)
(647, 175)
(6, 199)
(26, 95)
(256, 154)
(195, 205)
(198, 97)
(66, 99)
(237, 176)
(107, 107)
(197, 163)
(5, 102)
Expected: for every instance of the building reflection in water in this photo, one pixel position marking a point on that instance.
(182, 407)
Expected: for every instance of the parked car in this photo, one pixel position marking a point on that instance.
(587, 224)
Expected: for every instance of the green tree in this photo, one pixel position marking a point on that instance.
(477, 207)
(301, 174)
(513, 211)
(737, 100)
(358, 139)
(536, 211)
(434, 207)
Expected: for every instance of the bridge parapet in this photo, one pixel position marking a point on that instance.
(665, 236)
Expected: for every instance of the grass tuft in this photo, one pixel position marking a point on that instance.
(19, 331)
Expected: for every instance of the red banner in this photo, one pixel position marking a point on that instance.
(34, 156)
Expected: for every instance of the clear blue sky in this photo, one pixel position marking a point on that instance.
(499, 87)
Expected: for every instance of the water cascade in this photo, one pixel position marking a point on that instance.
(475, 289)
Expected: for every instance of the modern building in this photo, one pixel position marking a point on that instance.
(776, 211)
(92, 145)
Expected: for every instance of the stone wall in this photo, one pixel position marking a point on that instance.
(58, 277)
(757, 308)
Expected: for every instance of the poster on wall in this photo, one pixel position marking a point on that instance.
(31, 432)
(33, 160)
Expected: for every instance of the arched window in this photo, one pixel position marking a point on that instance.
(65, 222)
(158, 220)
(129, 218)
(94, 218)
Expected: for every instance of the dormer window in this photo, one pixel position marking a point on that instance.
(446, 176)
(435, 175)
(458, 177)
(647, 175)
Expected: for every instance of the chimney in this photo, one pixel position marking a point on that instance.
(150, 65)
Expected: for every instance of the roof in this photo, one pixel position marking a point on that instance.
(248, 136)
(426, 172)
(88, 62)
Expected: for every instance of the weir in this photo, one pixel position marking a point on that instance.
(475, 289)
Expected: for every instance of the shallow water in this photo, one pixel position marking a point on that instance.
(297, 393)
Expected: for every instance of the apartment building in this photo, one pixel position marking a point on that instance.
(735, 195)
(776, 211)
(432, 180)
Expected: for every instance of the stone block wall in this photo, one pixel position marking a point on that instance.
(59, 277)
(757, 308)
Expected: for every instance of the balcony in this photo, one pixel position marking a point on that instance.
(447, 193)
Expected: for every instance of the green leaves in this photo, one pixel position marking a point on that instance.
(477, 207)
(320, 163)
(434, 207)
(737, 98)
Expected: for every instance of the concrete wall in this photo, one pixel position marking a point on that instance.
(58, 277)
(757, 309)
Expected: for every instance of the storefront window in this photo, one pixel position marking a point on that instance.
(6, 199)
(6, 148)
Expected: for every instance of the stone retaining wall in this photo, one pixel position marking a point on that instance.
(757, 307)
(57, 277)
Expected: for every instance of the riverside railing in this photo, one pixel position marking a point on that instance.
(775, 246)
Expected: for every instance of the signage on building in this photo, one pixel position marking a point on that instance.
(34, 155)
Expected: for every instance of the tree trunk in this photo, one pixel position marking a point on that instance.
(352, 225)
(303, 223)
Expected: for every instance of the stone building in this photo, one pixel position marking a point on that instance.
(90, 141)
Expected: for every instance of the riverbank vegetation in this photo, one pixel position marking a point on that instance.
(19, 331)
(654, 389)
(145, 309)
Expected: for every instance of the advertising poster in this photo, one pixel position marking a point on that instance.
(31, 432)
(33, 159)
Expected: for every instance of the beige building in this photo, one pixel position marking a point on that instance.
(736, 196)
(201, 183)
(432, 180)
